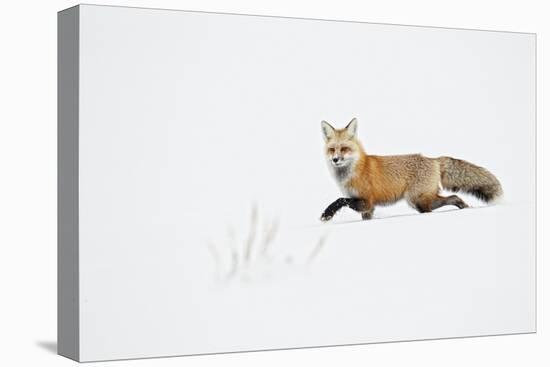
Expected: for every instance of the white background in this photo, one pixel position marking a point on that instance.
(28, 219)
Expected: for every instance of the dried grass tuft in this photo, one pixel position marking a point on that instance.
(318, 247)
(269, 236)
(252, 231)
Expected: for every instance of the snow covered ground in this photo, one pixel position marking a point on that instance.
(416, 276)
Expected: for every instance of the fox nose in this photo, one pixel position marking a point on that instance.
(335, 160)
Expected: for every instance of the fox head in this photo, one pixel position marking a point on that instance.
(342, 149)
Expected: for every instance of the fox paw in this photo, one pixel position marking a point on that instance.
(325, 217)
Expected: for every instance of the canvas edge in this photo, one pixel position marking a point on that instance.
(68, 338)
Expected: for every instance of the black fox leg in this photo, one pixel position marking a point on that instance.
(334, 207)
(359, 205)
(449, 200)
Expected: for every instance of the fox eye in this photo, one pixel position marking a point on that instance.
(331, 150)
(345, 149)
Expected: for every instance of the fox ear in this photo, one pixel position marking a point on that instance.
(328, 130)
(351, 128)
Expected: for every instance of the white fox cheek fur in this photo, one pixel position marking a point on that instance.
(341, 156)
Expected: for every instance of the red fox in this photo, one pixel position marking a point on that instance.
(369, 180)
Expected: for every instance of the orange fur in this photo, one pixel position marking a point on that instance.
(371, 182)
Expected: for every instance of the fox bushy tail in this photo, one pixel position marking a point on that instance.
(458, 175)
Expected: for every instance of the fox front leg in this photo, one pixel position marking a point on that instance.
(359, 205)
(362, 206)
(334, 207)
